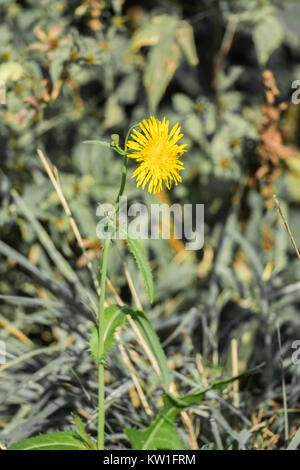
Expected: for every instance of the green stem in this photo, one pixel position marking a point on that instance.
(101, 415)
(123, 183)
(125, 168)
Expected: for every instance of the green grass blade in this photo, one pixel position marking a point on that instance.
(146, 329)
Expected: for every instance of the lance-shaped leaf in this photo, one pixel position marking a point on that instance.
(295, 442)
(140, 256)
(80, 428)
(116, 316)
(162, 434)
(162, 63)
(185, 38)
(150, 34)
(168, 37)
(113, 318)
(65, 440)
(268, 36)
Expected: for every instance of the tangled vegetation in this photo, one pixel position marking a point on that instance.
(186, 322)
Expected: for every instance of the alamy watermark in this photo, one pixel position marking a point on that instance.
(2, 353)
(296, 93)
(160, 221)
(296, 354)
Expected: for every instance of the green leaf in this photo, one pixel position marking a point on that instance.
(295, 442)
(169, 39)
(162, 434)
(146, 329)
(163, 61)
(113, 318)
(65, 440)
(138, 252)
(268, 35)
(55, 69)
(113, 112)
(150, 34)
(80, 427)
(116, 316)
(185, 38)
(93, 343)
(182, 103)
(193, 127)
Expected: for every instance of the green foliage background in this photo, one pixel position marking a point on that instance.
(82, 70)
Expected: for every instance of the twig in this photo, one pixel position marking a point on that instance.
(132, 288)
(133, 325)
(15, 332)
(134, 375)
(187, 422)
(235, 372)
(201, 370)
(192, 439)
(55, 181)
(286, 225)
(226, 45)
(286, 420)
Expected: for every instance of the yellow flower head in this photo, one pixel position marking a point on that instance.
(157, 152)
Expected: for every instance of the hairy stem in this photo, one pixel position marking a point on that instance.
(101, 415)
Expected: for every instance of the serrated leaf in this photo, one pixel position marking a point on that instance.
(143, 264)
(64, 440)
(162, 434)
(113, 318)
(80, 428)
(268, 35)
(146, 329)
(93, 343)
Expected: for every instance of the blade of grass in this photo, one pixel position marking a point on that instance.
(286, 422)
(59, 261)
(286, 225)
(30, 354)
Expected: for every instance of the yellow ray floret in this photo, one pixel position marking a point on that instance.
(157, 153)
